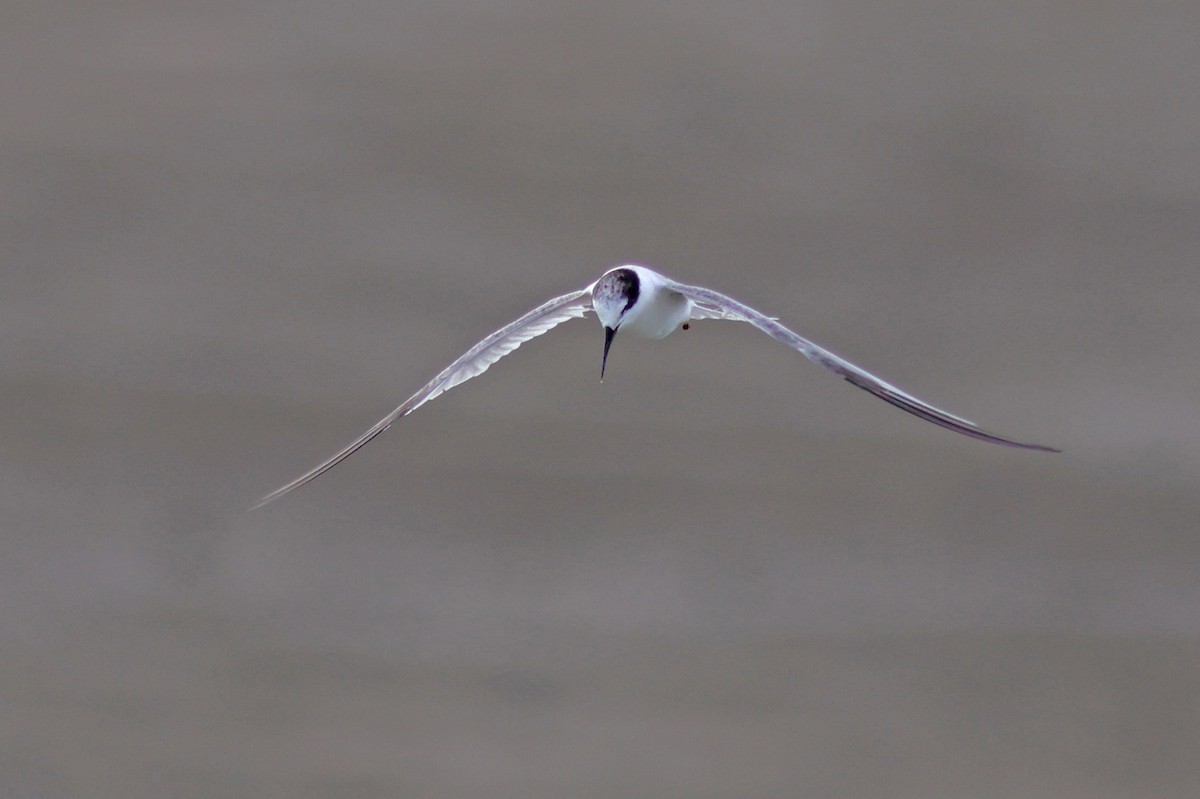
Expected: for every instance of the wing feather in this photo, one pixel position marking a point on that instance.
(713, 304)
(472, 363)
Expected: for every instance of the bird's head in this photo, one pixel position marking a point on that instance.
(612, 297)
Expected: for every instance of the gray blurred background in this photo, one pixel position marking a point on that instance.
(233, 235)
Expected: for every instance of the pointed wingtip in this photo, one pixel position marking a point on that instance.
(262, 502)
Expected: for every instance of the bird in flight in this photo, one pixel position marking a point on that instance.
(643, 302)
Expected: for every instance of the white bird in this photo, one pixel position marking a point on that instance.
(641, 301)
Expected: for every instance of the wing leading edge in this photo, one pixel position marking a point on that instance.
(713, 304)
(472, 363)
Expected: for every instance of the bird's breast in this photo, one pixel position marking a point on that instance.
(662, 313)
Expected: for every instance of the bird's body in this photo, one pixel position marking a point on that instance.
(656, 310)
(641, 301)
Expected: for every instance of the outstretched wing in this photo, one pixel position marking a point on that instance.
(472, 363)
(713, 304)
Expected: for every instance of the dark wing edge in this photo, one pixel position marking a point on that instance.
(713, 304)
(472, 363)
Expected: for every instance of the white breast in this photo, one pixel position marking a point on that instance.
(658, 310)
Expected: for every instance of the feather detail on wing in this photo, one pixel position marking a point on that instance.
(705, 311)
(472, 363)
(714, 305)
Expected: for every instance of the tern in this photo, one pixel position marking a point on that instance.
(643, 302)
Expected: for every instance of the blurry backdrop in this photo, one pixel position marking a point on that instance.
(233, 235)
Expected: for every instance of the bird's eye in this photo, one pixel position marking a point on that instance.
(685, 326)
